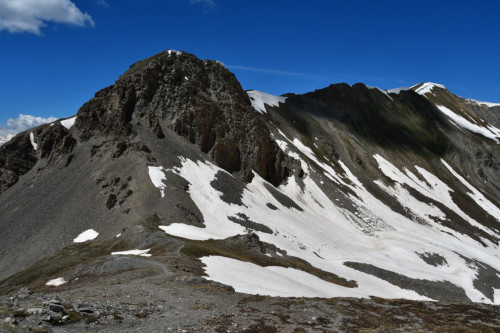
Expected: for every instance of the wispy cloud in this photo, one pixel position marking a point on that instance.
(331, 78)
(271, 71)
(210, 3)
(102, 3)
(30, 15)
(207, 5)
(22, 123)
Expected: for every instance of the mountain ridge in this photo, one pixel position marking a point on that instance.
(388, 190)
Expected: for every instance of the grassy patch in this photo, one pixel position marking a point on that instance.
(40, 272)
(254, 298)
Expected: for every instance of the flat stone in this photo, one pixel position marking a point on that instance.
(86, 310)
(55, 300)
(56, 307)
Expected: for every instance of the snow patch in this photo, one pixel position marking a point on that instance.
(249, 278)
(32, 139)
(327, 169)
(477, 196)
(56, 282)
(260, 99)
(488, 104)
(157, 176)
(432, 188)
(215, 211)
(397, 90)
(422, 210)
(5, 139)
(489, 131)
(427, 87)
(68, 123)
(170, 52)
(282, 144)
(86, 236)
(142, 253)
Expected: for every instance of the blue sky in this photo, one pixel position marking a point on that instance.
(54, 58)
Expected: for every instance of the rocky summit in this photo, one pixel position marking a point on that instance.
(176, 201)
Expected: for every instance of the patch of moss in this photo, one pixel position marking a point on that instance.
(251, 299)
(4, 327)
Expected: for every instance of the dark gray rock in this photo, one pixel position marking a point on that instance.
(250, 225)
(433, 259)
(56, 307)
(438, 290)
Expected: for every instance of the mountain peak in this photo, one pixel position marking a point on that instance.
(426, 87)
(199, 100)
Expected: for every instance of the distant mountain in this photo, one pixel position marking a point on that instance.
(4, 139)
(347, 191)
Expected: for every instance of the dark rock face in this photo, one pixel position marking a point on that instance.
(199, 100)
(16, 158)
(440, 290)
(55, 142)
(408, 121)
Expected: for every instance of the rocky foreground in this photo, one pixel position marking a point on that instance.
(196, 306)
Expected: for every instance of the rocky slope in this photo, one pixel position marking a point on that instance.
(347, 191)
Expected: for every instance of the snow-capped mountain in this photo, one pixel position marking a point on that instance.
(347, 191)
(5, 139)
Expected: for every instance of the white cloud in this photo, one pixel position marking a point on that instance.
(19, 124)
(31, 15)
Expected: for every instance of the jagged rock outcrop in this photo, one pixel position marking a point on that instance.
(16, 158)
(199, 100)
